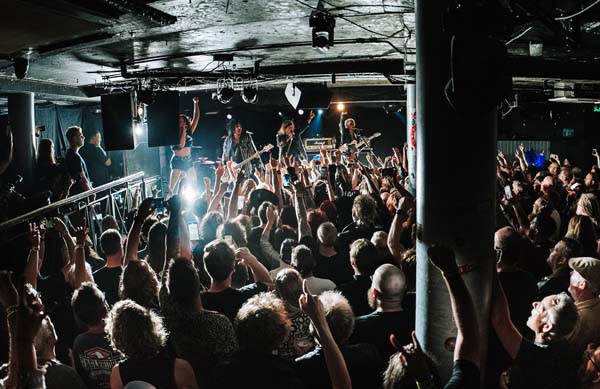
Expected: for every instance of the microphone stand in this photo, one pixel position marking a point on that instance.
(262, 164)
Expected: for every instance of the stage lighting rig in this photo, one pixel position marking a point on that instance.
(322, 25)
(225, 90)
(250, 91)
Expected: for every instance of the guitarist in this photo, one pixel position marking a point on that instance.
(348, 130)
(237, 145)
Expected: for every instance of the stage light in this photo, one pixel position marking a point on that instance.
(250, 94)
(21, 66)
(320, 111)
(229, 116)
(140, 110)
(280, 113)
(188, 193)
(322, 24)
(225, 95)
(300, 112)
(340, 107)
(139, 129)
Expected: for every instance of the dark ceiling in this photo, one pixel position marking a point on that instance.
(79, 49)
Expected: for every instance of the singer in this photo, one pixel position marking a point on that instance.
(290, 143)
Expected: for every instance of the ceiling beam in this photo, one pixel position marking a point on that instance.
(13, 85)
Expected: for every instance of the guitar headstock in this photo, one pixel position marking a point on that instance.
(375, 135)
(267, 148)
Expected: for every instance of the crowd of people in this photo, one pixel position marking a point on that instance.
(304, 276)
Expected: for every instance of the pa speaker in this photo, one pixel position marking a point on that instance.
(117, 121)
(308, 95)
(162, 117)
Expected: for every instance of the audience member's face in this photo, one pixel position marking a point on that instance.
(562, 176)
(538, 313)
(553, 168)
(557, 258)
(589, 370)
(79, 138)
(289, 130)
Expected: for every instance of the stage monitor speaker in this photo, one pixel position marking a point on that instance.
(117, 121)
(308, 95)
(163, 119)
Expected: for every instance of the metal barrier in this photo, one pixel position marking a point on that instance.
(86, 201)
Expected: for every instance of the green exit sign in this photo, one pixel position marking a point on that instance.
(596, 108)
(568, 132)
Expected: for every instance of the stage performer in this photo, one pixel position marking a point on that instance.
(290, 143)
(181, 161)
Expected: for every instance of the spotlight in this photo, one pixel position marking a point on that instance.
(21, 66)
(139, 129)
(300, 112)
(225, 95)
(322, 29)
(229, 117)
(250, 94)
(188, 193)
(280, 113)
(320, 111)
(340, 107)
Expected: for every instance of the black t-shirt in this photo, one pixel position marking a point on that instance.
(555, 283)
(545, 366)
(94, 359)
(521, 291)
(363, 361)
(252, 370)
(375, 328)
(356, 293)
(229, 301)
(158, 370)
(75, 166)
(465, 375)
(95, 158)
(107, 279)
(335, 268)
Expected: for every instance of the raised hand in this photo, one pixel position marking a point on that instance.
(311, 116)
(196, 99)
(443, 258)
(245, 256)
(522, 148)
(405, 203)
(311, 305)
(59, 225)
(272, 215)
(219, 171)
(81, 233)
(34, 236)
(414, 358)
(595, 153)
(145, 209)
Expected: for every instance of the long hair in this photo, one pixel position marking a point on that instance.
(140, 284)
(157, 246)
(231, 127)
(285, 124)
(45, 154)
(589, 204)
(582, 230)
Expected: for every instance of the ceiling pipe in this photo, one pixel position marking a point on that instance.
(140, 9)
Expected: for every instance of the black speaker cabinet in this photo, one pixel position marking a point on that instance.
(163, 120)
(117, 121)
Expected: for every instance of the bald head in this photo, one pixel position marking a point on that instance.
(508, 240)
(389, 284)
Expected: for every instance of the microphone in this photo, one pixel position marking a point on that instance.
(249, 132)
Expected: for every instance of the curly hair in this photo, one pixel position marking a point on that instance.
(209, 224)
(338, 314)
(262, 323)
(135, 331)
(589, 205)
(364, 210)
(140, 284)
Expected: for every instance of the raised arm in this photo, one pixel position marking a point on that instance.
(311, 116)
(196, 117)
(232, 209)
(463, 311)
(336, 365)
(173, 236)
(396, 248)
(595, 154)
(259, 271)
(300, 207)
(79, 271)
(506, 331)
(133, 239)
(31, 271)
(277, 184)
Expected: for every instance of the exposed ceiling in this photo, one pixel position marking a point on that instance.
(78, 49)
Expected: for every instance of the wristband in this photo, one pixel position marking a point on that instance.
(10, 310)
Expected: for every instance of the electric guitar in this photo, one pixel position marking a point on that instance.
(237, 166)
(357, 144)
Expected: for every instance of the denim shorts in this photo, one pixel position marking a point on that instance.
(181, 163)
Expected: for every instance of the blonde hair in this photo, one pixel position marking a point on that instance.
(285, 124)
